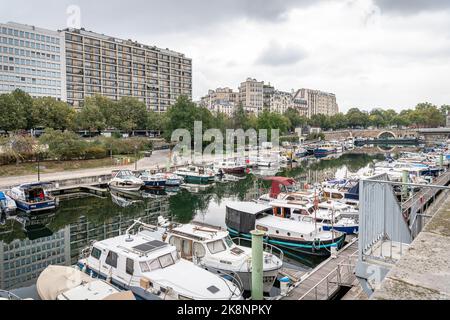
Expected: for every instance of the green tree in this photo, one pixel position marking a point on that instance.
(296, 121)
(357, 118)
(13, 115)
(90, 118)
(271, 120)
(181, 115)
(26, 103)
(51, 113)
(65, 145)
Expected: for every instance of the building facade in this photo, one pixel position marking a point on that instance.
(33, 60)
(319, 102)
(115, 68)
(280, 101)
(251, 95)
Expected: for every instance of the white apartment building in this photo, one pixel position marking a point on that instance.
(280, 102)
(319, 102)
(33, 60)
(251, 95)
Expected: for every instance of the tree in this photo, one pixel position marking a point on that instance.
(90, 118)
(181, 115)
(65, 145)
(51, 113)
(357, 118)
(240, 118)
(26, 103)
(296, 121)
(271, 120)
(12, 113)
(377, 119)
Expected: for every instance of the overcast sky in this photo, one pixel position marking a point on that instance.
(371, 53)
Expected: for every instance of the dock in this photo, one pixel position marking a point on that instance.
(325, 281)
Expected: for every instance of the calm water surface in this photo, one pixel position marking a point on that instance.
(28, 244)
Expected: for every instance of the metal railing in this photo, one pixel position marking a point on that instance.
(8, 295)
(341, 276)
(268, 248)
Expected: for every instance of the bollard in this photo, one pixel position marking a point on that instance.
(257, 265)
(405, 179)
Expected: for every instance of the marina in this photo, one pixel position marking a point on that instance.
(306, 210)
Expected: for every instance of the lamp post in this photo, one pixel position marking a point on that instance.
(135, 158)
(39, 165)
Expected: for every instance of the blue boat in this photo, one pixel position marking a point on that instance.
(324, 150)
(33, 198)
(153, 180)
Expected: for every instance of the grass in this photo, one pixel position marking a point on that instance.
(59, 166)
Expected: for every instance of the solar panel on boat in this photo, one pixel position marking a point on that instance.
(150, 246)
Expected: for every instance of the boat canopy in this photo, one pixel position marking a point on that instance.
(56, 280)
(277, 183)
(2, 196)
(33, 185)
(241, 216)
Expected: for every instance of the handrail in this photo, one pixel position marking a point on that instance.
(9, 295)
(265, 245)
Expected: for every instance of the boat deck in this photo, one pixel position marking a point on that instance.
(324, 281)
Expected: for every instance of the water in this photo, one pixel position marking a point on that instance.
(29, 244)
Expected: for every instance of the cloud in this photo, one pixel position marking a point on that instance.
(412, 6)
(278, 55)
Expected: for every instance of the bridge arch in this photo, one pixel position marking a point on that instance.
(387, 134)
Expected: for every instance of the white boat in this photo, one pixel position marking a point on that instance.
(153, 270)
(339, 146)
(153, 179)
(231, 167)
(68, 283)
(125, 180)
(303, 237)
(7, 205)
(213, 249)
(329, 215)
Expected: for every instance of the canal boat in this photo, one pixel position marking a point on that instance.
(33, 198)
(303, 237)
(325, 149)
(153, 179)
(152, 269)
(196, 174)
(339, 146)
(68, 283)
(213, 249)
(173, 180)
(231, 167)
(125, 181)
(301, 153)
(7, 205)
(330, 215)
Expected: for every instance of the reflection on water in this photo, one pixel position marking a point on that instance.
(29, 244)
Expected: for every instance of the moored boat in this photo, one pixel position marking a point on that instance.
(125, 181)
(153, 270)
(7, 205)
(33, 198)
(68, 283)
(153, 179)
(213, 249)
(196, 174)
(302, 237)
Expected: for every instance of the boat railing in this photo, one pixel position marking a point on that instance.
(8, 295)
(266, 247)
(142, 226)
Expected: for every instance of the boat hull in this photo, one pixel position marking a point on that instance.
(269, 277)
(237, 170)
(36, 207)
(323, 152)
(344, 229)
(322, 249)
(155, 184)
(198, 179)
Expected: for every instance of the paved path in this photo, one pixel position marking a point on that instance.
(158, 158)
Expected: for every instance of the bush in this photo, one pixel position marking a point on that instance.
(95, 152)
(126, 146)
(64, 145)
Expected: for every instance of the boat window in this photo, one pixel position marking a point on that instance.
(229, 241)
(96, 253)
(130, 266)
(111, 259)
(199, 250)
(177, 242)
(166, 261)
(175, 256)
(154, 265)
(144, 267)
(216, 246)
